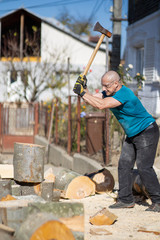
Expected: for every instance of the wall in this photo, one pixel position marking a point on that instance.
(78, 163)
(146, 33)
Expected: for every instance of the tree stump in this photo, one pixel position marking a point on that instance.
(103, 180)
(28, 162)
(43, 226)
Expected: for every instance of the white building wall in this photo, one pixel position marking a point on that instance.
(57, 44)
(146, 33)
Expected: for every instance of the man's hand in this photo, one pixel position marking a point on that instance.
(82, 80)
(78, 89)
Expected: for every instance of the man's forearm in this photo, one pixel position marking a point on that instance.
(94, 101)
(101, 103)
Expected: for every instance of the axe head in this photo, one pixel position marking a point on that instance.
(102, 30)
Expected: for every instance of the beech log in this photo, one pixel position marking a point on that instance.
(80, 187)
(28, 162)
(103, 180)
(64, 177)
(45, 226)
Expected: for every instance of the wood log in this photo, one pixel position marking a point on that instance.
(5, 188)
(28, 162)
(49, 175)
(64, 177)
(80, 187)
(103, 217)
(12, 217)
(8, 198)
(45, 226)
(103, 180)
(71, 214)
(13, 212)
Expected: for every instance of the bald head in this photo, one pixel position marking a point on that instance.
(111, 82)
(111, 76)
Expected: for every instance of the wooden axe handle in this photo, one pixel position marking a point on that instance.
(94, 54)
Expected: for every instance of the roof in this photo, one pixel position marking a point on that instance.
(57, 25)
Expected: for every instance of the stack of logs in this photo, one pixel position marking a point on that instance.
(30, 207)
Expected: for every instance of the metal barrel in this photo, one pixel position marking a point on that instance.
(28, 162)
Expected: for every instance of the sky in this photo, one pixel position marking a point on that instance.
(96, 10)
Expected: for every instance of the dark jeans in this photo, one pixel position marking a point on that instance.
(140, 149)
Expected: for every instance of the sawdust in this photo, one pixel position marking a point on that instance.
(129, 224)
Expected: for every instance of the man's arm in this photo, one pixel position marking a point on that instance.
(97, 101)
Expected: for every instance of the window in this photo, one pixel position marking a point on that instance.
(140, 60)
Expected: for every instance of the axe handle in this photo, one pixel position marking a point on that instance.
(94, 54)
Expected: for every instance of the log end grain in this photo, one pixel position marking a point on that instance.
(103, 217)
(52, 230)
(80, 187)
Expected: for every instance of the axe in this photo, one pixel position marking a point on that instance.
(104, 32)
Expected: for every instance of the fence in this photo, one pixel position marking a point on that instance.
(58, 122)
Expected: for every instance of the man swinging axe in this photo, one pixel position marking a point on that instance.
(142, 136)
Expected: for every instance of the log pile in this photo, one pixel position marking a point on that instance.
(28, 192)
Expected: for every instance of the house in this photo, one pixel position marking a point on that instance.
(143, 50)
(51, 42)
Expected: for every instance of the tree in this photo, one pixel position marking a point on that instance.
(80, 25)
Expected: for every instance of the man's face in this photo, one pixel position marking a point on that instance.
(108, 86)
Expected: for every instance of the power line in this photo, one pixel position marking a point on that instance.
(49, 4)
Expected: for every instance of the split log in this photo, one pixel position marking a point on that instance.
(99, 231)
(47, 190)
(80, 187)
(8, 198)
(28, 162)
(49, 175)
(103, 180)
(44, 226)
(103, 217)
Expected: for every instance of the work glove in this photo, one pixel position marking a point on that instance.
(78, 89)
(82, 80)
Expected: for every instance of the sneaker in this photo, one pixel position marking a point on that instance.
(155, 207)
(120, 204)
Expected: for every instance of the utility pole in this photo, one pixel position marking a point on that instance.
(116, 33)
(107, 157)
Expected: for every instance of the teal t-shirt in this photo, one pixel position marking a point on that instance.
(132, 115)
